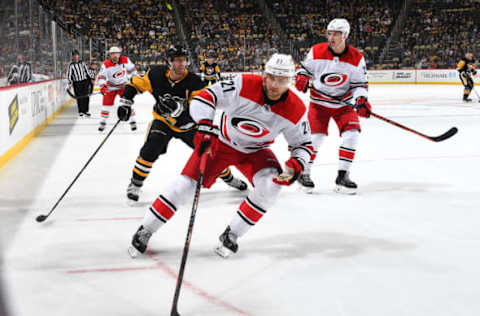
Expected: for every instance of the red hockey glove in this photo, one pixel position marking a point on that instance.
(293, 168)
(363, 107)
(104, 89)
(301, 83)
(206, 138)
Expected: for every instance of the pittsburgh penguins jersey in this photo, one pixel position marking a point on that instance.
(335, 76)
(210, 71)
(465, 65)
(157, 81)
(249, 120)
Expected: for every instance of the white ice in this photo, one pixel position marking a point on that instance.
(407, 244)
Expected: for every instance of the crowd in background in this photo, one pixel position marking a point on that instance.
(305, 23)
(435, 34)
(143, 28)
(236, 31)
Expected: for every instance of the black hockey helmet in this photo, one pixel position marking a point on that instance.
(176, 50)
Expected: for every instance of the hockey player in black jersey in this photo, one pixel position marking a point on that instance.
(210, 70)
(466, 68)
(173, 88)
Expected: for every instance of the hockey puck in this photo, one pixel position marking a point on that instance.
(41, 218)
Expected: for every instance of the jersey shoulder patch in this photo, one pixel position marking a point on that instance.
(252, 88)
(108, 63)
(123, 60)
(353, 56)
(291, 109)
(320, 51)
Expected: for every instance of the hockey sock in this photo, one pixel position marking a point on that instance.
(346, 152)
(141, 170)
(159, 213)
(246, 217)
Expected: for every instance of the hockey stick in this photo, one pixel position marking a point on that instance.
(452, 131)
(81, 96)
(203, 164)
(478, 97)
(41, 218)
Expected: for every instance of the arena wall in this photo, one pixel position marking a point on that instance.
(25, 110)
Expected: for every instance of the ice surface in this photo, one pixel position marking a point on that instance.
(407, 244)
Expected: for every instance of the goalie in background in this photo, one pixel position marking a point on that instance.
(466, 68)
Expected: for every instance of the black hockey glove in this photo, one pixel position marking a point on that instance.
(166, 105)
(124, 110)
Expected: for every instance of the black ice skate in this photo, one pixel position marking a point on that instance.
(228, 244)
(133, 126)
(87, 114)
(102, 126)
(235, 183)
(133, 192)
(344, 184)
(306, 184)
(139, 242)
(467, 99)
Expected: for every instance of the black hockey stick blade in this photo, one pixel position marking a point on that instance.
(445, 135)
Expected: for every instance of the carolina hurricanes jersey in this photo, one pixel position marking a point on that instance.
(116, 75)
(249, 121)
(335, 76)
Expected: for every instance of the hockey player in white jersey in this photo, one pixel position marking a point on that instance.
(254, 109)
(115, 72)
(338, 72)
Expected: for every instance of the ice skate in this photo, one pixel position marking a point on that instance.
(139, 242)
(235, 183)
(466, 99)
(133, 126)
(228, 244)
(133, 192)
(306, 183)
(344, 184)
(102, 126)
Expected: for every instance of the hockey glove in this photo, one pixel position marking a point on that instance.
(124, 110)
(301, 83)
(363, 107)
(103, 89)
(293, 168)
(166, 105)
(206, 138)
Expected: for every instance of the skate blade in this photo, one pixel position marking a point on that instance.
(306, 190)
(343, 190)
(222, 251)
(131, 202)
(133, 252)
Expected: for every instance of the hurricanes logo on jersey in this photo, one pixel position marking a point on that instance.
(333, 79)
(119, 74)
(249, 127)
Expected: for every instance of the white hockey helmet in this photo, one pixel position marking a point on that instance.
(280, 65)
(114, 49)
(339, 25)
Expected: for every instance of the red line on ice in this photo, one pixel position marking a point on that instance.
(159, 265)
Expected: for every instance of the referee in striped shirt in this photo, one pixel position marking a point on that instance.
(82, 79)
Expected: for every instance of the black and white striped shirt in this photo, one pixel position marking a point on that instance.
(79, 72)
(25, 72)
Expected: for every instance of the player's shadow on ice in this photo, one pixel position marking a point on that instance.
(307, 244)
